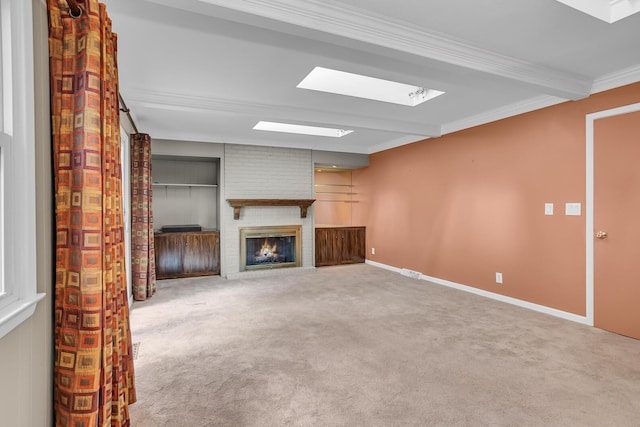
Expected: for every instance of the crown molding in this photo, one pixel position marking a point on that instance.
(609, 81)
(180, 102)
(367, 27)
(179, 135)
(510, 110)
(617, 79)
(405, 140)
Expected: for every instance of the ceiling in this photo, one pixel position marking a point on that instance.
(209, 70)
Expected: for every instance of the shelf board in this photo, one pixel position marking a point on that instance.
(166, 184)
(332, 185)
(240, 203)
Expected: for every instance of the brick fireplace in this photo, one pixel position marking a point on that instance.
(266, 173)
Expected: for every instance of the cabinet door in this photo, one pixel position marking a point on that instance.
(328, 247)
(353, 245)
(201, 254)
(169, 250)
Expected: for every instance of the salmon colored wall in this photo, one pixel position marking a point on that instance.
(330, 208)
(469, 204)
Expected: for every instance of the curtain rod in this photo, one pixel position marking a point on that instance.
(127, 111)
(74, 10)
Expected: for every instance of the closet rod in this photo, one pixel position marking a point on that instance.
(125, 109)
(74, 10)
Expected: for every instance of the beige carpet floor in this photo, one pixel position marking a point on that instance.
(361, 346)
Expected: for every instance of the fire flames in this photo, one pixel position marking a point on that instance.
(267, 251)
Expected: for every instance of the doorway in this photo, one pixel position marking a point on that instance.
(613, 225)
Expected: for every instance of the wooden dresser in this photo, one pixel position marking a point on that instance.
(187, 254)
(340, 245)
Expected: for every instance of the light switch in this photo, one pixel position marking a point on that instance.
(548, 208)
(573, 209)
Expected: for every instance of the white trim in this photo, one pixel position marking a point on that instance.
(609, 81)
(399, 142)
(125, 157)
(18, 312)
(616, 79)
(384, 266)
(590, 119)
(19, 204)
(498, 297)
(500, 113)
(273, 112)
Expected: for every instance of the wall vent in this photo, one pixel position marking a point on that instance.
(411, 273)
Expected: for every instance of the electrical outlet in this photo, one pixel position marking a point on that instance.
(498, 277)
(373, 251)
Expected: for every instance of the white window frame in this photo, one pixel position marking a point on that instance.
(125, 159)
(18, 286)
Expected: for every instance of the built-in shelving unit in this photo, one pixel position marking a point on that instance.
(335, 188)
(335, 196)
(186, 191)
(334, 192)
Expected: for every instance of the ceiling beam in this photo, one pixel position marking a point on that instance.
(271, 112)
(367, 27)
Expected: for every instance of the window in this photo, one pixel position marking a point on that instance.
(18, 292)
(126, 202)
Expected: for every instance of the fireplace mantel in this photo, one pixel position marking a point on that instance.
(240, 203)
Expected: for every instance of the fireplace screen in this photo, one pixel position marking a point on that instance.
(269, 247)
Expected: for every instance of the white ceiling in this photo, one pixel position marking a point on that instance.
(209, 70)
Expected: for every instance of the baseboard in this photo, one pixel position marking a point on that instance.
(384, 266)
(498, 297)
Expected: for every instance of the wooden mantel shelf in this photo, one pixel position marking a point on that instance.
(240, 203)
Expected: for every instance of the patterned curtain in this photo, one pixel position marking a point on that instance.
(142, 248)
(94, 382)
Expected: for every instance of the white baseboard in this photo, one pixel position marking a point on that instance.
(384, 266)
(502, 298)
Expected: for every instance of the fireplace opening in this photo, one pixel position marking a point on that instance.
(270, 247)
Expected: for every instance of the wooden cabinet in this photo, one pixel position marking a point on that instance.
(169, 252)
(340, 245)
(187, 254)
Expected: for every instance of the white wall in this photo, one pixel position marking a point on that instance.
(265, 173)
(169, 147)
(164, 147)
(26, 353)
(185, 205)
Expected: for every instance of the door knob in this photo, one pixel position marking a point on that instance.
(601, 234)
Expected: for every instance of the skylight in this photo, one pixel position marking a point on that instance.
(300, 129)
(343, 83)
(607, 10)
